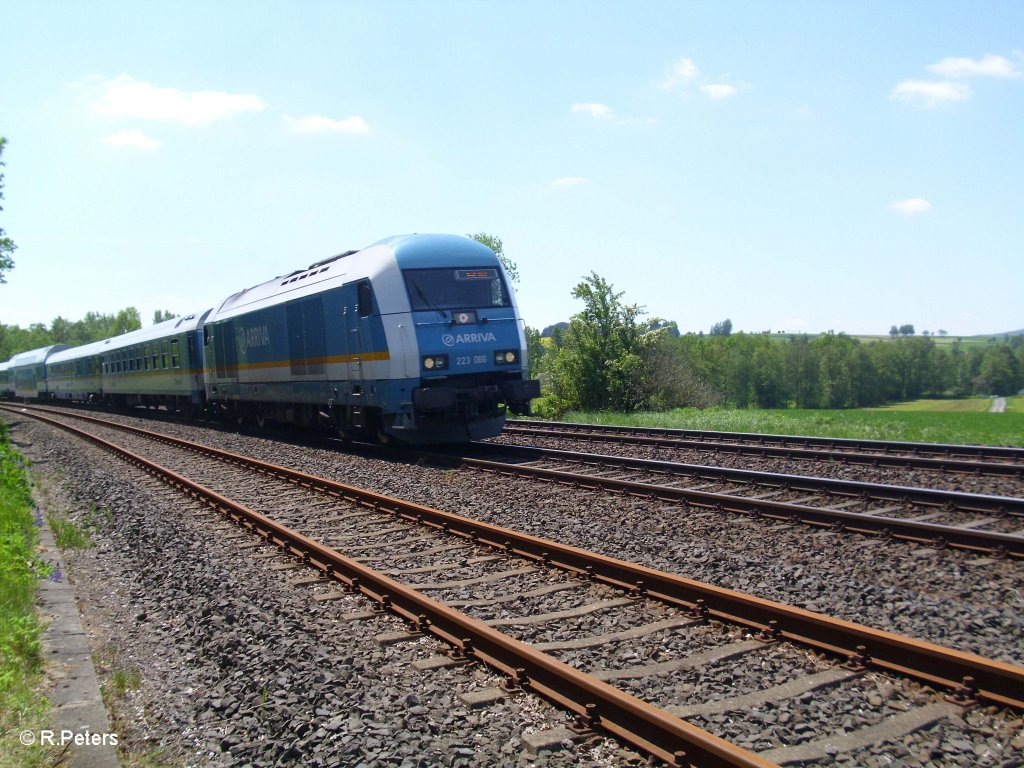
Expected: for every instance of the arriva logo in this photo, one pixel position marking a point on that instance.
(451, 339)
(253, 337)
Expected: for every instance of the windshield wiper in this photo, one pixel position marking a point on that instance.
(428, 302)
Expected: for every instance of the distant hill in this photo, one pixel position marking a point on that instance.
(548, 332)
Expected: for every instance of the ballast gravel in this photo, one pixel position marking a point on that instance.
(959, 600)
(209, 657)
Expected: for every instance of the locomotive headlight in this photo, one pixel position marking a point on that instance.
(428, 363)
(505, 357)
(435, 362)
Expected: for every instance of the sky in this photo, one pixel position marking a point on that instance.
(790, 166)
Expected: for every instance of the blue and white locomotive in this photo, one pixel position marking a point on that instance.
(416, 338)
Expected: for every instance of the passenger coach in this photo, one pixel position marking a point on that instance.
(27, 372)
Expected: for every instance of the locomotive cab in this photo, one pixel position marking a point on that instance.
(471, 348)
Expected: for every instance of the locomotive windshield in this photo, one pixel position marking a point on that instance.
(439, 289)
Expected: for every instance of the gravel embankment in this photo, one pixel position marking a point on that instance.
(235, 666)
(279, 641)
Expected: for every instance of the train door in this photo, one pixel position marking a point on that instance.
(306, 348)
(359, 336)
(225, 356)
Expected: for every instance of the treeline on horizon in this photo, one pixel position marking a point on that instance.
(608, 358)
(95, 326)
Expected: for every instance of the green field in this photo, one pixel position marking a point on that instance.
(967, 405)
(966, 342)
(933, 421)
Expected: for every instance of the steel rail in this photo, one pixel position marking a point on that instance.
(959, 500)
(990, 543)
(596, 704)
(987, 679)
(1005, 453)
(774, 451)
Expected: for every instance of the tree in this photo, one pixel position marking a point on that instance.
(894, 331)
(161, 315)
(723, 328)
(7, 246)
(600, 362)
(494, 243)
(907, 330)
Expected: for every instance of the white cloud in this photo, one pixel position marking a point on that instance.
(987, 66)
(719, 90)
(930, 92)
(320, 124)
(683, 72)
(911, 206)
(133, 139)
(125, 96)
(570, 181)
(601, 111)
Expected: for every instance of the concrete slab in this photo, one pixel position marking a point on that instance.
(551, 739)
(79, 718)
(481, 698)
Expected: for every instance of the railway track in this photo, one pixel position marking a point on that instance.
(990, 461)
(506, 579)
(981, 523)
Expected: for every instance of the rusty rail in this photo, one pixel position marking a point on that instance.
(970, 539)
(595, 703)
(994, 681)
(655, 437)
(932, 497)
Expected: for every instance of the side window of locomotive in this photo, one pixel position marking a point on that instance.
(365, 299)
(498, 297)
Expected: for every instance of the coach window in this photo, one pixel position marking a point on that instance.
(154, 352)
(175, 355)
(165, 355)
(365, 299)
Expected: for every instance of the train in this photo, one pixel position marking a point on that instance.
(414, 339)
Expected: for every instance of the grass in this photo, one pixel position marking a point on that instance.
(69, 534)
(21, 706)
(914, 425)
